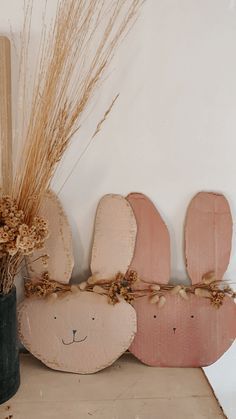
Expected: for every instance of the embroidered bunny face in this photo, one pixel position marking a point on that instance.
(81, 332)
(183, 332)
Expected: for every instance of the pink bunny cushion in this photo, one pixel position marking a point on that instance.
(182, 332)
(81, 332)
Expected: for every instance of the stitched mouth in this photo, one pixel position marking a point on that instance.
(73, 341)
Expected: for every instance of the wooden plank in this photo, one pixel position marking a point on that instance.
(196, 408)
(5, 115)
(125, 379)
(208, 235)
(114, 237)
(127, 390)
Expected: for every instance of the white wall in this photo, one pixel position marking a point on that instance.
(171, 133)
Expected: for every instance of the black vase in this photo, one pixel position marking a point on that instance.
(9, 348)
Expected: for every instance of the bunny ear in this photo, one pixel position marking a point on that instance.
(58, 246)
(152, 251)
(114, 237)
(208, 236)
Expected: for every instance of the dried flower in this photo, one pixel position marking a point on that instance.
(98, 290)
(183, 294)
(155, 287)
(83, 285)
(217, 299)
(201, 292)
(15, 235)
(161, 302)
(175, 290)
(17, 239)
(45, 287)
(91, 280)
(154, 299)
(122, 286)
(209, 277)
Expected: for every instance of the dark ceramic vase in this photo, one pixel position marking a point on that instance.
(9, 348)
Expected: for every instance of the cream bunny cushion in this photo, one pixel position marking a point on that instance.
(81, 332)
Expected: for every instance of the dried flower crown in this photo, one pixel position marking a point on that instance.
(123, 286)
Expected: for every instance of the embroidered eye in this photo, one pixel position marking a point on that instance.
(192, 316)
(93, 318)
(55, 317)
(155, 316)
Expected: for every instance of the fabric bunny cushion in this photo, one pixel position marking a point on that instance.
(81, 332)
(189, 331)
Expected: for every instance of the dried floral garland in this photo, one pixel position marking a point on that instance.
(122, 286)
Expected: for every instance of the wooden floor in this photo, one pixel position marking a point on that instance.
(126, 390)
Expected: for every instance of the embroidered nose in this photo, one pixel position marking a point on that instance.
(74, 332)
(174, 328)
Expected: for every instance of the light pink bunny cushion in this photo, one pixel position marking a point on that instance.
(81, 332)
(182, 333)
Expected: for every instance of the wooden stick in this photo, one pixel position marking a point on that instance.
(5, 115)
